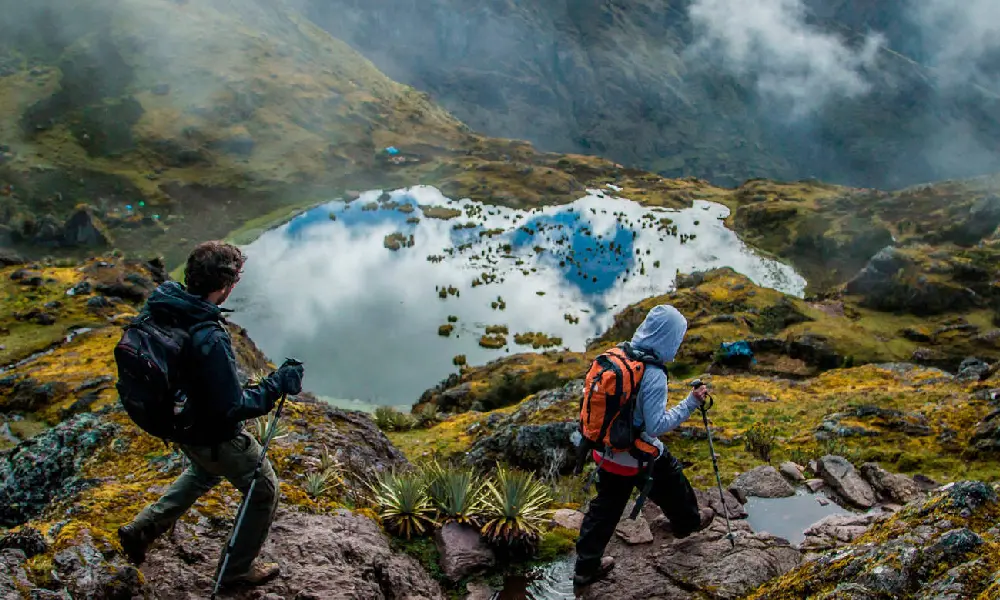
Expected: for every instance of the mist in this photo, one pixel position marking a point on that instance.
(792, 62)
(884, 95)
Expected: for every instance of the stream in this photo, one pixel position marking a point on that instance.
(325, 288)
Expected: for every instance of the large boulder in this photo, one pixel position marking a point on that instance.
(841, 475)
(463, 551)
(515, 440)
(342, 555)
(703, 565)
(896, 488)
(764, 482)
(83, 228)
(46, 467)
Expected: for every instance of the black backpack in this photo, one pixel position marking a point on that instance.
(151, 358)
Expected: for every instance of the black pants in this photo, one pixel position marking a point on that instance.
(671, 491)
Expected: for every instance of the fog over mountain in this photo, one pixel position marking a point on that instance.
(885, 94)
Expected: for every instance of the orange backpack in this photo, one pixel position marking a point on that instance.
(607, 411)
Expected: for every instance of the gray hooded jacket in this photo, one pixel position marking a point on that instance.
(660, 334)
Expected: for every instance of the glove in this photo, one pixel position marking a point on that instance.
(289, 377)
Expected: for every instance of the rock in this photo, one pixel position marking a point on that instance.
(544, 447)
(239, 145)
(89, 573)
(703, 565)
(792, 471)
(44, 468)
(84, 229)
(633, 531)
(27, 277)
(98, 303)
(340, 555)
(160, 89)
(479, 591)
(103, 382)
(454, 396)
(353, 438)
(931, 546)
(26, 394)
(763, 482)
(835, 531)
(463, 551)
(815, 485)
(9, 258)
(567, 518)
(14, 580)
(28, 540)
(896, 488)
(709, 498)
(972, 369)
(132, 287)
(840, 474)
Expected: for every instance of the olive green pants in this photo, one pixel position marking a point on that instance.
(235, 461)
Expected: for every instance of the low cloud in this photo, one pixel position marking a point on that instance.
(794, 63)
(961, 39)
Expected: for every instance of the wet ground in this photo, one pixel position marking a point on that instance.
(784, 517)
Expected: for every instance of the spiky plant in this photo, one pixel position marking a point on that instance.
(515, 507)
(317, 484)
(259, 426)
(454, 493)
(402, 500)
(329, 461)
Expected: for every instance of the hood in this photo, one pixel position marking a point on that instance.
(661, 333)
(171, 302)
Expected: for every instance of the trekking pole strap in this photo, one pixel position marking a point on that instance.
(644, 493)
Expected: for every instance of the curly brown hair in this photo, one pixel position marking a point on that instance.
(212, 266)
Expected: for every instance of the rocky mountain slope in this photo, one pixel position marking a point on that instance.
(845, 91)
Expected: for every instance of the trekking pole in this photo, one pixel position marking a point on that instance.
(224, 561)
(697, 383)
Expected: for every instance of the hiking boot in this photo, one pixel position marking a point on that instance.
(585, 579)
(259, 574)
(134, 543)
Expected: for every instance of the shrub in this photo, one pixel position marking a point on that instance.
(388, 418)
(759, 440)
(427, 415)
(515, 508)
(402, 501)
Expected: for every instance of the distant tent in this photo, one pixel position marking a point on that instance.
(392, 151)
(736, 353)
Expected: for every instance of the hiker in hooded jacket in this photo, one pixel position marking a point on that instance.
(214, 442)
(655, 343)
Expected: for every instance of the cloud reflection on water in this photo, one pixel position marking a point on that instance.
(365, 319)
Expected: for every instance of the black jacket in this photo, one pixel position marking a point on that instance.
(217, 403)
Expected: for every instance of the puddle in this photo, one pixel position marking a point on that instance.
(324, 288)
(553, 581)
(790, 517)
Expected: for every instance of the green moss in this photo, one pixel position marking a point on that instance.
(555, 543)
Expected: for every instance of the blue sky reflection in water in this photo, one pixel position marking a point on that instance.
(365, 318)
